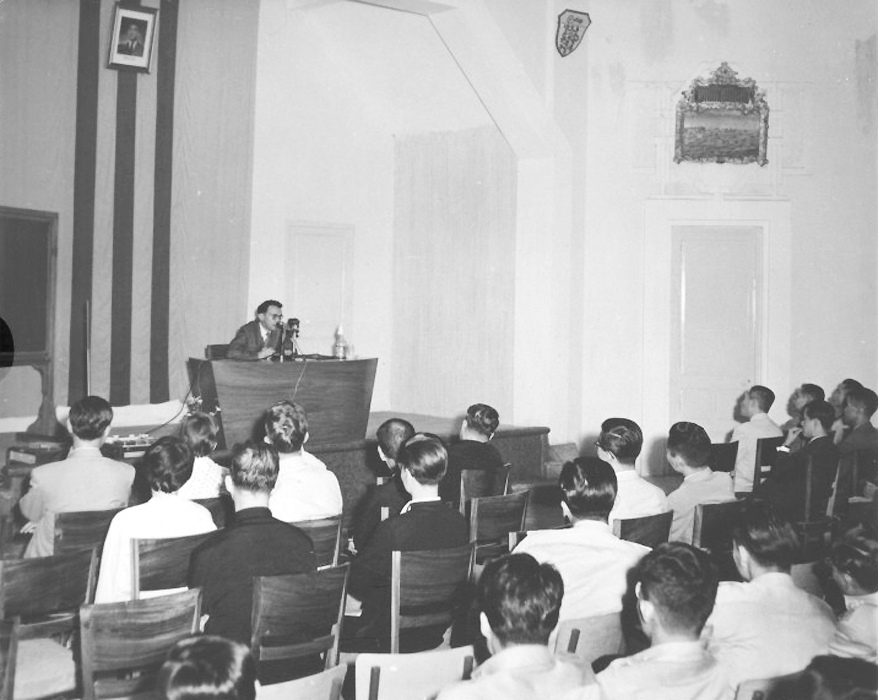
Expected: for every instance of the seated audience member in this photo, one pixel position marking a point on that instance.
(208, 668)
(519, 600)
(837, 399)
(859, 406)
(801, 397)
(254, 544)
(258, 339)
(391, 495)
(424, 523)
(167, 465)
(855, 571)
(198, 430)
(473, 451)
(592, 561)
(688, 453)
(754, 405)
(676, 586)
(306, 489)
(766, 626)
(786, 483)
(86, 480)
(619, 445)
(828, 678)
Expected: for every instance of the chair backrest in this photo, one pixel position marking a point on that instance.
(161, 564)
(650, 530)
(298, 615)
(221, 508)
(755, 689)
(478, 483)
(8, 657)
(119, 638)
(325, 685)
(425, 586)
(33, 588)
(218, 351)
(723, 456)
(492, 519)
(325, 533)
(589, 638)
(713, 525)
(411, 676)
(82, 530)
(766, 456)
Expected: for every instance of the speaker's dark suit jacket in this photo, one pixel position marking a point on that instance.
(785, 485)
(248, 342)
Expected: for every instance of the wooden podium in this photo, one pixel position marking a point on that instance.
(336, 395)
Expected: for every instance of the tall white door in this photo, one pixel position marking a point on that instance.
(717, 322)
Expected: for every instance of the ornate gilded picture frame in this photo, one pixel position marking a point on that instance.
(722, 119)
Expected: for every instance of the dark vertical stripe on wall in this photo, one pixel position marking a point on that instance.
(161, 236)
(87, 71)
(123, 240)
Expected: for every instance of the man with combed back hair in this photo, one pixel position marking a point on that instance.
(86, 480)
(254, 544)
(208, 668)
(753, 405)
(859, 407)
(519, 600)
(766, 626)
(475, 452)
(593, 562)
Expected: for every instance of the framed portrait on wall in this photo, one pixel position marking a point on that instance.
(132, 38)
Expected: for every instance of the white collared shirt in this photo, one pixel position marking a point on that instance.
(305, 489)
(704, 486)
(857, 632)
(636, 497)
(746, 435)
(408, 506)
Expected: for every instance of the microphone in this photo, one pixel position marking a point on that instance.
(293, 326)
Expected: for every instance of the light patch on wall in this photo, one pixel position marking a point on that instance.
(867, 82)
(657, 30)
(716, 14)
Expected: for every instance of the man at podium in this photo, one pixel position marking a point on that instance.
(258, 339)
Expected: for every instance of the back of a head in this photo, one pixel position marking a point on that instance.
(208, 668)
(424, 457)
(483, 419)
(690, 442)
(168, 464)
(829, 678)
(623, 438)
(812, 392)
(90, 417)
(681, 582)
(762, 395)
(863, 399)
(589, 487)
(521, 599)
(856, 554)
(199, 431)
(391, 435)
(286, 426)
(254, 467)
(822, 411)
(769, 538)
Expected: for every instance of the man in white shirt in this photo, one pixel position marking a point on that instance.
(306, 489)
(688, 452)
(593, 562)
(767, 626)
(619, 445)
(519, 600)
(754, 405)
(676, 586)
(855, 571)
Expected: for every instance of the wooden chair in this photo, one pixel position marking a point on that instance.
(713, 532)
(8, 657)
(82, 530)
(218, 351)
(221, 509)
(296, 616)
(325, 685)
(325, 533)
(162, 564)
(492, 519)
(650, 530)
(766, 456)
(46, 594)
(411, 676)
(124, 644)
(723, 456)
(755, 689)
(479, 483)
(425, 587)
(589, 638)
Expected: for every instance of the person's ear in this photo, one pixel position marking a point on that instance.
(566, 510)
(307, 435)
(485, 626)
(381, 454)
(228, 482)
(742, 560)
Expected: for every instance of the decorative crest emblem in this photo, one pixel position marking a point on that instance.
(571, 28)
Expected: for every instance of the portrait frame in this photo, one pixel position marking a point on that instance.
(132, 38)
(722, 119)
